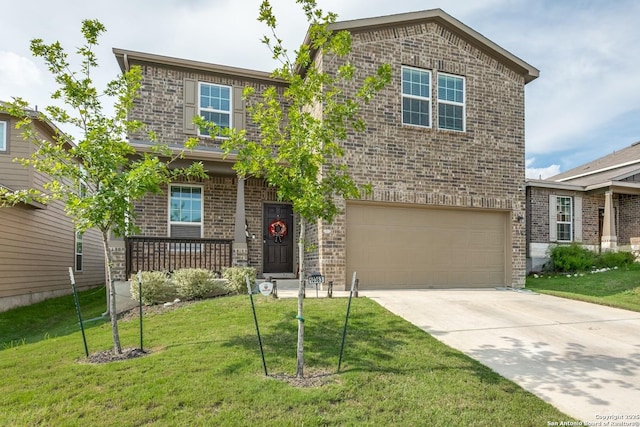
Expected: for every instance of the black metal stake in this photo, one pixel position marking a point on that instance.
(77, 301)
(346, 321)
(140, 304)
(255, 319)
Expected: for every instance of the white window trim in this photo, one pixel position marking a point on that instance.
(212, 110)
(571, 216)
(421, 98)
(78, 239)
(462, 104)
(201, 223)
(4, 126)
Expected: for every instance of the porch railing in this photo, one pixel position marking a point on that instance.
(170, 254)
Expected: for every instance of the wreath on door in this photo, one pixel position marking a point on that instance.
(277, 230)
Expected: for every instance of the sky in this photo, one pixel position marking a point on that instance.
(584, 105)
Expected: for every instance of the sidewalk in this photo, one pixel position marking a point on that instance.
(288, 288)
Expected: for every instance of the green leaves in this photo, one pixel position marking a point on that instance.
(299, 151)
(100, 160)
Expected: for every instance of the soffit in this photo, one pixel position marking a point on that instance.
(127, 57)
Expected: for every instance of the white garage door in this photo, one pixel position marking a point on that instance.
(414, 247)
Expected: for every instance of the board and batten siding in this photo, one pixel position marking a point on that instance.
(37, 245)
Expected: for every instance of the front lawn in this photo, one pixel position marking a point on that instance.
(616, 288)
(205, 369)
(50, 318)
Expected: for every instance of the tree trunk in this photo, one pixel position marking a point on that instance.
(113, 313)
(300, 351)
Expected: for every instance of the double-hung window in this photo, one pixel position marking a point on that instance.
(3, 136)
(78, 251)
(215, 105)
(564, 218)
(185, 211)
(416, 97)
(451, 102)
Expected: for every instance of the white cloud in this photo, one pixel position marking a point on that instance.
(540, 173)
(587, 52)
(18, 74)
(587, 62)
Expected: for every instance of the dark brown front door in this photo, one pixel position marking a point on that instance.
(278, 238)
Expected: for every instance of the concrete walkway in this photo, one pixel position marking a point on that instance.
(582, 358)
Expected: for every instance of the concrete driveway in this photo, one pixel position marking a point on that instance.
(582, 358)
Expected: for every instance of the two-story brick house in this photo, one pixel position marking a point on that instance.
(443, 150)
(38, 242)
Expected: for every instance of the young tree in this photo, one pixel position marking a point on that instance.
(99, 160)
(299, 151)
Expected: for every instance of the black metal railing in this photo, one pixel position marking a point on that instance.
(170, 254)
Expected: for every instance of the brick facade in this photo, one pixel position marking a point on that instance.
(482, 167)
(626, 218)
(629, 218)
(219, 198)
(479, 168)
(538, 214)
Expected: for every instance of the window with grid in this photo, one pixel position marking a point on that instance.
(564, 218)
(215, 105)
(185, 211)
(3, 136)
(451, 102)
(416, 97)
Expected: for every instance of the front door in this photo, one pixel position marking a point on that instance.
(277, 230)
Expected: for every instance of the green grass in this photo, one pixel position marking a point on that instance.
(50, 318)
(616, 288)
(205, 369)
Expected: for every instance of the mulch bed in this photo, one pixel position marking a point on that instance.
(312, 379)
(109, 356)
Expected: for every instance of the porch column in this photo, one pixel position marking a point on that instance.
(240, 248)
(609, 238)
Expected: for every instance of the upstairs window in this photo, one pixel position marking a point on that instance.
(416, 97)
(215, 105)
(185, 211)
(451, 102)
(3, 136)
(564, 218)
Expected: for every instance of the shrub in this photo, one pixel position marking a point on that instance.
(614, 259)
(236, 278)
(571, 258)
(156, 288)
(193, 283)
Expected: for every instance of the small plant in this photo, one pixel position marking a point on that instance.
(614, 259)
(14, 343)
(236, 278)
(194, 283)
(156, 288)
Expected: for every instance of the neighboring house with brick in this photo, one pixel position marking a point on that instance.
(38, 242)
(443, 151)
(596, 205)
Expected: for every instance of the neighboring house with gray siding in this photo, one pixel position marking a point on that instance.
(38, 243)
(443, 150)
(596, 205)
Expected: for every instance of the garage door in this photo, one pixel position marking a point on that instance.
(414, 247)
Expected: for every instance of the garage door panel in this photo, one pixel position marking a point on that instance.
(407, 247)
